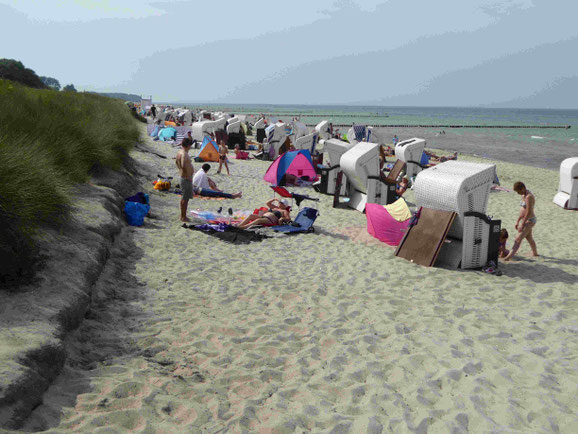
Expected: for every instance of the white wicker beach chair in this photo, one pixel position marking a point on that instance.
(361, 166)
(334, 149)
(202, 128)
(410, 152)
(260, 124)
(567, 196)
(276, 135)
(233, 125)
(462, 188)
(323, 129)
(307, 142)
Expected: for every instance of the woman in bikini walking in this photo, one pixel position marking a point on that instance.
(526, 220)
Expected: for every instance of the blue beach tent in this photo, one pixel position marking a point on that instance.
(167, 134)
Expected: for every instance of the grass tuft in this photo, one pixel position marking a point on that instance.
(48, 142)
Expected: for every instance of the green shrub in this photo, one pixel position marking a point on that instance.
(48, 142)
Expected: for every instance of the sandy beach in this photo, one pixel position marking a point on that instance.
(320, 332)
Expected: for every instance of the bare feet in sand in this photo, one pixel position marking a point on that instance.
(237, 195)
(186, 220)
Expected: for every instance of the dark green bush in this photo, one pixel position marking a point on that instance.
(48, 142)
(14, 70)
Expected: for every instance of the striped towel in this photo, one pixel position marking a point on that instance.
(359, 131)
(182, 133)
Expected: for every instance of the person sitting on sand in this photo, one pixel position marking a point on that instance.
(278, 212)
(526, 220)
(223, 151)
(204, 186)
(402, 186)
(241, 155)
(185, 166)
(502, 251)
(441, 159)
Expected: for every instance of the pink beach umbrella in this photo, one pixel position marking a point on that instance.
(383, 226)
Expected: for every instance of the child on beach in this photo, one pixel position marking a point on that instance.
(502, 251)
(223, 151)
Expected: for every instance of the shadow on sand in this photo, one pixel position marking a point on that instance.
(539, 273)
(107, 332)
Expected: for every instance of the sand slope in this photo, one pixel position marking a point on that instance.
(321, 332)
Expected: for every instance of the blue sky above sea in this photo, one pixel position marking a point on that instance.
(489, 53)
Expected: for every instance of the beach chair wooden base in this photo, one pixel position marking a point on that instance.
(338, 183)
(423, 241)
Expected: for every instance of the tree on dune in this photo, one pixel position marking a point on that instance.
(14, 70)
(69, 88)
(52, 83)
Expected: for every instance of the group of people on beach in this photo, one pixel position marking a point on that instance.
(278, 212)
(200, 183)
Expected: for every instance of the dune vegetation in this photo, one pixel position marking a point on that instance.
(50, 141)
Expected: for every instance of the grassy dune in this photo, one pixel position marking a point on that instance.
(48, 142)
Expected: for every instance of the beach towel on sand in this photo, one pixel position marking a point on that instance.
(399, 210)
(228, 233)
(220, 217)
(383, 226)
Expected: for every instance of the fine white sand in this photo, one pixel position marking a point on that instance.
(321, 332)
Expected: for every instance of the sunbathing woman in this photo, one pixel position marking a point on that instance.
(276, 214)
(442, 158)
(526, 220)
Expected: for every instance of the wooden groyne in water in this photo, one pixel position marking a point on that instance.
(316, 115)
(333, 115)
(565, 127)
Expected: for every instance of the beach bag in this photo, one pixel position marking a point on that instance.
(140, 197)
(135, 212)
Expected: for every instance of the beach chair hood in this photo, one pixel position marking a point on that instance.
(296, 163)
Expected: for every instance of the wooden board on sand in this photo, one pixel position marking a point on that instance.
(423, 241)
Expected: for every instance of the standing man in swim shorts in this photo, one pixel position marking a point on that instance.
(186, 171)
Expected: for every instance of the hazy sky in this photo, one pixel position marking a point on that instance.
(519, 53)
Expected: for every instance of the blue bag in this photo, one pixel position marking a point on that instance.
(140, 197)
(135, 212)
